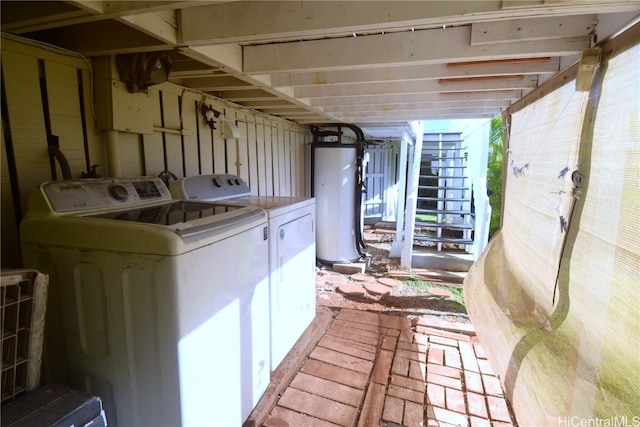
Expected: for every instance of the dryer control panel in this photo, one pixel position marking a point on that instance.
(210, 187)
(85, 194)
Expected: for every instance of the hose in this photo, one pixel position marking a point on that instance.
(62, 161)
(361, 245)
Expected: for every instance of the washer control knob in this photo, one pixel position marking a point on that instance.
(217, 181)
(118, 192)
(231, 181)
(238, 181)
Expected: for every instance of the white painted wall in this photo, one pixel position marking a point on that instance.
(166, 132)
(477, 141)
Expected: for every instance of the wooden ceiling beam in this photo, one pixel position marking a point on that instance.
(546, 65)
(512, 95)
(396, 49)
(501, 62)
(244, 21)
(481, 79)
(412, 87)
(408, 106)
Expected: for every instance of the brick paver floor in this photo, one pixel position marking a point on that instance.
(375, 369)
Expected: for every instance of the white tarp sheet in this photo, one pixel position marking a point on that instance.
(558, 309)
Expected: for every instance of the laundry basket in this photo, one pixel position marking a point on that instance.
(23, 302)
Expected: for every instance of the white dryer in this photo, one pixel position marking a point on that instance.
(160, 307)
(292, 251)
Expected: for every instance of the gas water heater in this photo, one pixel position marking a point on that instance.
(337, 184)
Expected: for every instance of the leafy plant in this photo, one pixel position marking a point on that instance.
(494, 172)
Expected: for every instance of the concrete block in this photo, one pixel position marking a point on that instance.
(350, 268)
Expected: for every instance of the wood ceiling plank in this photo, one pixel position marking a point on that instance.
(22, 17)
(412, 87)
(215, 83)
(544, 65)
(244, 21)
(408, 48)
(408, 106)
(226, 56)
(279, 103)
(364, 121)
(56, 14)
(457, 80)
(516, 30)
(160, 25)
(501, 62)
(89, 39)
(419, 97)
(415, 114)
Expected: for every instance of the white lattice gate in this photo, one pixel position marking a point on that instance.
(380, 173)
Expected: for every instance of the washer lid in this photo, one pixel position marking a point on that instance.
(169, 228)
(188, 218)
(167, 214)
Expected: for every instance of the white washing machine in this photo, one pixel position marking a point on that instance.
(292, 252)
(160, 307)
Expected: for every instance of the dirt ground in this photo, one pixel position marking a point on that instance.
(403, 300)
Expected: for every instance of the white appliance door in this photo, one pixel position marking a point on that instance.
(292, 284)
(223, 348)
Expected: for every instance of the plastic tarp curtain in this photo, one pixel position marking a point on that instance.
(555, 297)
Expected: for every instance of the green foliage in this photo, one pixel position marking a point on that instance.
(424, 286)
(494, 172)
(418, 284)
(427, 217)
